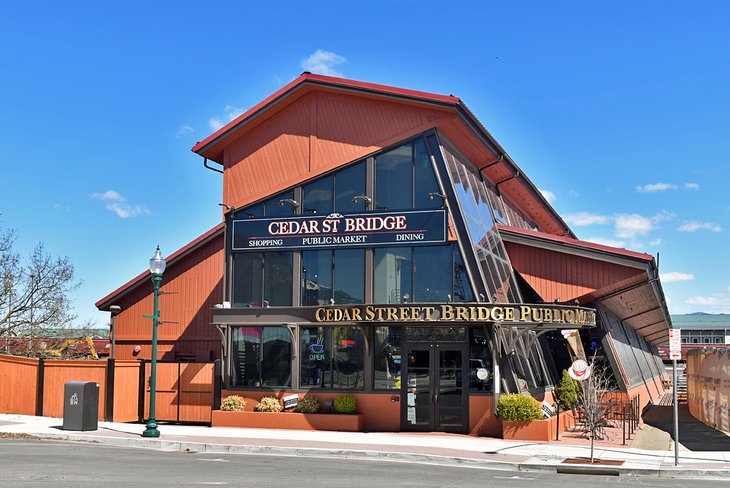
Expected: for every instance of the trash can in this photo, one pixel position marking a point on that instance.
(80, 405)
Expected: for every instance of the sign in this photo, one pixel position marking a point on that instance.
(675, 343)
(558, 315)
(337, 230)
(290, 401)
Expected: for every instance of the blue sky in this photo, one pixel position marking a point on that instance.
(619, 112)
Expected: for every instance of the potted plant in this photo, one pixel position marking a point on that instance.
(521, 416)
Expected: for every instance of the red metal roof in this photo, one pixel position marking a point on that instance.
(576, 242)
(106, 302)
(321, 80)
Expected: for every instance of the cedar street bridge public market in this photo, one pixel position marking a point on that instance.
(378, 241)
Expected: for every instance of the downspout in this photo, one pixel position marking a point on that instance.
(205, 163)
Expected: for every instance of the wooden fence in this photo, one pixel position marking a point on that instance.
(186, 392)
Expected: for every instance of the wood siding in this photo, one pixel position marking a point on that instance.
(59, 372)
(126, 391)
(564, 277)
(195, 285)
(316, 133)
(19, 384)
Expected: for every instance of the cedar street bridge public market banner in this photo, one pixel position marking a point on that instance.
(554, 316)
(337, 230)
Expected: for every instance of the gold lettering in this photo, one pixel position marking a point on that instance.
(318, 314)
(482, 314)
(356, 314)
(570, 316)
(548, 315)
(428, 312)
(581, 316)
(369, 313)
(537, 314)
(392, 314)
(497, 314)
(404, 314)
(510, 314)
(461, 314)
(447, 312)
(524, 313)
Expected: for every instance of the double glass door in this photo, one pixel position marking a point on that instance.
(434, 394)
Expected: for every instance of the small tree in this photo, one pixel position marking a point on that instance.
(34, 295)
(567, 392)
(591, 401)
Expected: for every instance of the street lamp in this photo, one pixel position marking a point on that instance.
(157, 267)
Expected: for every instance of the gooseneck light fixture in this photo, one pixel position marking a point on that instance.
(157, 267)
(364, 198)
(290, 201)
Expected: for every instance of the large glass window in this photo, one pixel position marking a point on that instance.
(404, 179)
(333, 275)
(332, 357)
(247, 279)
(261, 357)
(262, 278)
(317, 196)
(387, 357)
(393, 274)
(278, 274)
(349, 183)
(480, 358)
(420, 274)
(432, 273)
(349, 276)
(316, 277)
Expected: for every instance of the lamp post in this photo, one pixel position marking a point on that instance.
(114, 309)
(157, 267)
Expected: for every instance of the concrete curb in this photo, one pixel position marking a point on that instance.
(535, 464)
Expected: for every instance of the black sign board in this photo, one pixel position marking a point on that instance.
(336, 230)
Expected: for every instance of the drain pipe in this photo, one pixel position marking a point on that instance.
(205, 163)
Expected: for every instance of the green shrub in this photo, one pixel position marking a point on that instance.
(517, 407)
(567, 392)
(268, 404)
(307, 405)
(233, 403)
(345, 404)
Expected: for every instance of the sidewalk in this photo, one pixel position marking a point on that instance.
(432, 448)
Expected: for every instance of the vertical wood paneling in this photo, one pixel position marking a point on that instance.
(564, 277)
(126, 391)
(196, 392)
(19, 384)
(316, 133)
(186, 314)
(59, 372)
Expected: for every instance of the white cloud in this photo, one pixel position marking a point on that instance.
(655, 187)
(694, 226)
(715, 303)
(631, 225)
(549, 196)
(692, 186)
(184, 130)
(230, 113)
(607, 242)
(673, 276)
(656, 242)
(118, 204)
(586, 218)
(323, 62)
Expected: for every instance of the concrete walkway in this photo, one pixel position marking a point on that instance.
(434, 448)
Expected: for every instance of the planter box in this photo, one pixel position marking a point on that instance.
(289, 420)
(536, 430)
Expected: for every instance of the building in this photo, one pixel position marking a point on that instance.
(700, 330)
(378, 241)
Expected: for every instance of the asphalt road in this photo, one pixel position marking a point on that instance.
(33, 463)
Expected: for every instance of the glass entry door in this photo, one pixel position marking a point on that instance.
(434, 397)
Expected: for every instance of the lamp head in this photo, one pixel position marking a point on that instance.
(290, 201)
(157, 263)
